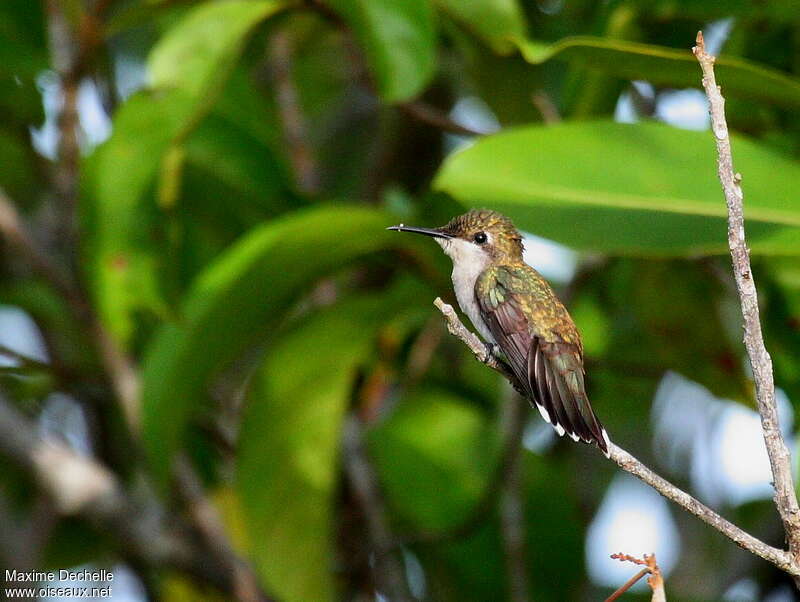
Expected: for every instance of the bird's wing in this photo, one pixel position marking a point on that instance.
(544, 352)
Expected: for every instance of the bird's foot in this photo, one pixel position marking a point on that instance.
(490, 350)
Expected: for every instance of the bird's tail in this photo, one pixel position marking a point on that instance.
(560, 393)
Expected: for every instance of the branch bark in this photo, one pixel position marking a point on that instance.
(119, 367)
(780, 558)
(437, 118)
(388, 570)
(655, 580)
(760, 361)
(81, 486)
(124, 380)
(293, 122)
(66, 57)
(512, 505)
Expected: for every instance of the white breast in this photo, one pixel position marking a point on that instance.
(469, 261)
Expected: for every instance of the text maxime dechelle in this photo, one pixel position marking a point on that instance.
(79, 590)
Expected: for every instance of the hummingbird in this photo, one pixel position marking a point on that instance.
(520, 318)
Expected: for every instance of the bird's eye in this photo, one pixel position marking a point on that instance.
(480, 237)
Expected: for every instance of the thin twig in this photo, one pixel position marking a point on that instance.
(16, 234)
(422, 351)
(627, 585)
(119, 367)
(780, 558)
(760, 361)
(293, 122)
(388, 571)
(66, 58)
(512, 506)
(655, 580)
(124, 379)
(545, 105)
(22, 359)
(426, 113)
(471, 340)
(205, 516)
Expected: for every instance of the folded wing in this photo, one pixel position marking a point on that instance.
(542, 347)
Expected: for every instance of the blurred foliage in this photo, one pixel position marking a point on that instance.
(232, 241)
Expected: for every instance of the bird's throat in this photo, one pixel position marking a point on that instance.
(468, 265)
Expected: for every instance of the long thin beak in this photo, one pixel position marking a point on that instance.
(426, 231)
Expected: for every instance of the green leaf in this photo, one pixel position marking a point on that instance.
(18, 175)
(197, 54)
(433, 481)
(644, 189)
(240, 298)
(23, 57)
(24, 48)
(288, 448)
(667, 66)
(399, 40)
(239, 159)
(122, 215)
(499, 22)
(188, 68)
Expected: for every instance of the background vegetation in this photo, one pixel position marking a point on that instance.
(219, 292)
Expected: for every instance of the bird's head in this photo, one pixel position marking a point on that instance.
(478, 236)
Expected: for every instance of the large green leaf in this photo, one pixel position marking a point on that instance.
(644, 189)
(399, 41)
(23, 57)
(288, 448)
(242, 295)
(499, 22)
(120, 215)
(18, 175)
(197, 54)
(667, 66)
(236, 157)
(196, 57)
(188, 67)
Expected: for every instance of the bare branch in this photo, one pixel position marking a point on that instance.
(205, 516)
(423, 351)
(470, 339)
(293, 122)
(120, 368)
(16, 234)
(66, 58)
(627, 585)
(655, 581)
(22, 359)
(760, 361)
(388, 571)
(780, 558)
(124, 380)
(82, 486)
(512, 505)
(437, 118)
(546, 106)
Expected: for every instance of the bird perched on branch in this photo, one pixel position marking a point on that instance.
(518, 315)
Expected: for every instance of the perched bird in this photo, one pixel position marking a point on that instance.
(518, 315)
